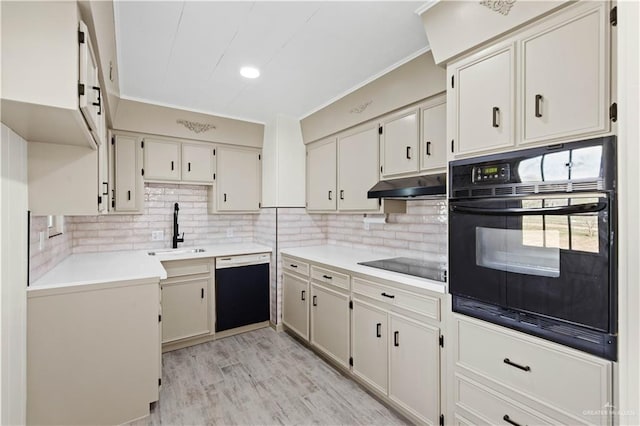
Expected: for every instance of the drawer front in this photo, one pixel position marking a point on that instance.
(290, 264)
(491, 407)
(179, 268)
(561, 378)
(418, 303)
(330, 277)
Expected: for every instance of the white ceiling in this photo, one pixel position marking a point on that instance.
(188, 54)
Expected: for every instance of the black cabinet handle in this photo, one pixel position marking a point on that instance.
(408, 153)
(293, 266)
(302, 295)
(428, 148)
(342, 194)
(330, 194)
(172, 165)
(396, 338)
(99, 103)
(327, 277)
(128, 195)
(188, 167)
(225, 197)
(390, 296)
(496, 111)
(538, 106)
(513, 364)
(507, 419)
(202, 293)
(379, 329)
(106, 185)
(315, 300)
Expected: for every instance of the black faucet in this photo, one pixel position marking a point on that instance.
(176, 238)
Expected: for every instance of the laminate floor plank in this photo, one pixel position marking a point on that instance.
(259, 378)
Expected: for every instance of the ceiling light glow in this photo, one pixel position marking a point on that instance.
(250, 72)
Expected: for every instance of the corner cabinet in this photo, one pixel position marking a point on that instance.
(237, 184)
(321, 176)
(534, 87)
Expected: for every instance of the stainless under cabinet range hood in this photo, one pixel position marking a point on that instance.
(410, 188)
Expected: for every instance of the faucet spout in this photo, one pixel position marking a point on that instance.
(176, 235)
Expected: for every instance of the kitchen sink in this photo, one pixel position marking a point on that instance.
(176, 251)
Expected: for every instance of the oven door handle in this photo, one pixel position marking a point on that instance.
(557, 211)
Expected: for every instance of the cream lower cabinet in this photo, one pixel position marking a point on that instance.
(369, 344)
(186, 311)
(295, 300)
(330, 322)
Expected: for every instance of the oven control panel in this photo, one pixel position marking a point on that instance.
(492, 173)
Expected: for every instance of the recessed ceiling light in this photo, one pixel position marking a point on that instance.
(250, 72)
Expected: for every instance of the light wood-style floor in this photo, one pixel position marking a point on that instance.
(260, 378)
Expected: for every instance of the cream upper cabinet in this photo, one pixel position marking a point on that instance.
(358, 168)
(564, 74)
(90, 93)
(321, 176)
(414, 367)
(128, 186)
(369, 344)
(161, 159)
(330, 322)
(197, 163)
(185, 308)
(238, 179)
(484, 93)
(399, 143)
(433, 135)
(295, 304)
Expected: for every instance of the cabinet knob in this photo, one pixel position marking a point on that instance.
(518, 366)
(302, 294)
(315, 300)
(496, 113)
(408, 153)
(172, 165)
(396, 338)
(429, 148)
(379, 329)
(507, 419)
(538, 106)
(342, 194)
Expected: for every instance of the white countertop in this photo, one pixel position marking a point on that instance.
(122, 266)
(348, 258)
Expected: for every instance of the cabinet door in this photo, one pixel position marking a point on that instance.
(358, 164)
(103, 177)
(185, 309)
(161, 159)
(126, 188)
(90, 98)
(414, 367)
(433, 138)
(565, 74)
(369, 337)
(485, 102)
(238, 177)
(197, 163)
(330, 323)
(321, 176)
(295, 304)
(399, 143)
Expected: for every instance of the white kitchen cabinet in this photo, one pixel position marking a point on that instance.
(197, 163)
(185, 308)
(433, 135)
(238, 180)
(484, 98)
(414, 367)
(399, 143)
(369, 344)
(321, 176)
(565, 74)
(49, 75)
(358, 160)
(330, 322)
(128, 191)
(161, 160)
(295, 304)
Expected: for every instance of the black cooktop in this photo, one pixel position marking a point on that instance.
(405, 265)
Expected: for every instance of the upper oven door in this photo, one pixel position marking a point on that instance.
(548, 256)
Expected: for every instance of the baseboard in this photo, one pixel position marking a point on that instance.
(277, 327)
(172, 346)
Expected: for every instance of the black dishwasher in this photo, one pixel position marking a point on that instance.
(242, 290)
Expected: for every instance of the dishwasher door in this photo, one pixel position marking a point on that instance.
(242, 291)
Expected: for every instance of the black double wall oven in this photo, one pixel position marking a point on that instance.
(532, 242)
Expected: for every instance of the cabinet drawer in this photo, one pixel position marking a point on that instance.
(328, 276)
(490, 406)
(179, 268)
(418, 303)
(530, 366)
(289, 264)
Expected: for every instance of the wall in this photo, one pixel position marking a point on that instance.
(13, 277)
(53, 251)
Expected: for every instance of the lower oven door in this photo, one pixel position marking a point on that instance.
(549, 257)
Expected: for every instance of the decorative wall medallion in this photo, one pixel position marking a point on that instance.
(501, 6)
(196, 127)
(360, 108)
